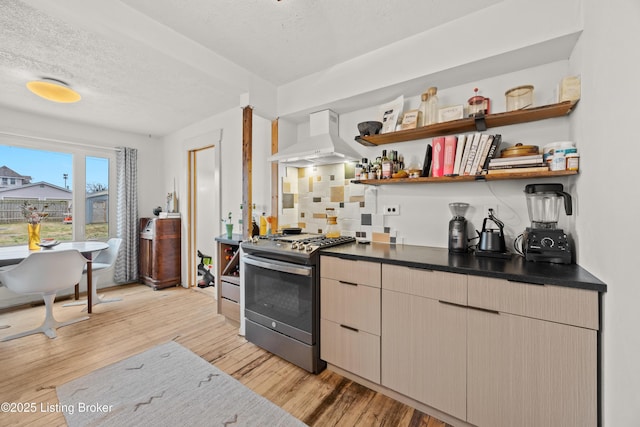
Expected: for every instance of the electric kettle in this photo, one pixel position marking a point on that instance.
(492, 240)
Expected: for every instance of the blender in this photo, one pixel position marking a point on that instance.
(458, 227)
(544, 241)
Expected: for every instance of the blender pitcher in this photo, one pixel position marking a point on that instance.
(543, 204)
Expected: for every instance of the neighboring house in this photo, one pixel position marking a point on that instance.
(58, 199)
(36, 191)
(97, 207)
(11, 179)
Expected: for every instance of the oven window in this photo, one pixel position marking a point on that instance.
(283, 297)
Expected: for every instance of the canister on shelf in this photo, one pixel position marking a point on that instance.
(519, 98)
(573, 161)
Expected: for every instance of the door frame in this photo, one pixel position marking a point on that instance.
(199, 143)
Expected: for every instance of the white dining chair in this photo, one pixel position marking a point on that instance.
(45, 273)
(103, 264)
(3, 326)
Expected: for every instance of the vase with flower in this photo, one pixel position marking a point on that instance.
(229, 225)
(34, 219)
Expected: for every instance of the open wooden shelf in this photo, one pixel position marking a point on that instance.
(471, 124)
(467, 178)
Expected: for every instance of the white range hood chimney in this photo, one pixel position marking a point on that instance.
(322, 147)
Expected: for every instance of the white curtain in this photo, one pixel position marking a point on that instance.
(126, 269)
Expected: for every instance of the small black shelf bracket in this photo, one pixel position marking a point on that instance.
(481, 124)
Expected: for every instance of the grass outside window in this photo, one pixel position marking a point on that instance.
(12, 234)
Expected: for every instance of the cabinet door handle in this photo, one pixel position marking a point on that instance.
(486, 310)
(347, 283)
(525, 283)
(349, 328)
(421, 269)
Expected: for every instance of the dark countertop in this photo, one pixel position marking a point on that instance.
(235, 240)
(431, 258)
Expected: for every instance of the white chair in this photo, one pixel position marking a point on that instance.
(103, 263)
(45, 273)
(3, 326)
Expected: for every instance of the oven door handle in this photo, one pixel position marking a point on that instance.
(283, 267)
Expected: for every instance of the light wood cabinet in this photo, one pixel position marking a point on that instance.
(350, 316)
(424, 336)
(528, 365)
(530, 372)
(484, 351)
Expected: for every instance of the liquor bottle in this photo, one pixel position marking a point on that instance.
(263, 224)
(394, 161)
(387, 165)
(432, 106)
(358, 171)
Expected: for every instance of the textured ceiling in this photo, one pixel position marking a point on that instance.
(153, 67)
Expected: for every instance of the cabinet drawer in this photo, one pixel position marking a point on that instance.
(230, 309)
(346, 270)
(572, 306)
(440, 285)
(354, 351)
(230, 291)
(357, 306)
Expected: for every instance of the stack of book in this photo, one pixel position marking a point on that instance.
(463, 154)
(517, 164)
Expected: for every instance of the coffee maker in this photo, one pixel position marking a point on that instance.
(458, 227)
(543, 241)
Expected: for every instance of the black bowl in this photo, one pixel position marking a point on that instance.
(369, 128)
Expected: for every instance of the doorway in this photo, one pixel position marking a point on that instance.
(203, 203)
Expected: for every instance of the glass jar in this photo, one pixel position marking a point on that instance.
(519, 98)
(333, 230)
(432, 106)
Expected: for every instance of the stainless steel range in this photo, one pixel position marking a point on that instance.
(282, 295)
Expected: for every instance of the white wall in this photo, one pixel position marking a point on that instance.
(424, 211)
(609, 196)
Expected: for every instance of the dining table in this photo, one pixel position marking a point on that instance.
(15, 254)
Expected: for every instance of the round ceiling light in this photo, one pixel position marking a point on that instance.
(53, 90)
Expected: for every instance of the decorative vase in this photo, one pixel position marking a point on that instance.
(34, 236)
(229, 231)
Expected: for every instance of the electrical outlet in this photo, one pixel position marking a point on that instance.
(391, 210)
(489, 206)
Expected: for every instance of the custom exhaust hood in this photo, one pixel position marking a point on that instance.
(323, 146)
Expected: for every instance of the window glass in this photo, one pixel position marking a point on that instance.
(42, 182)
(97, 198)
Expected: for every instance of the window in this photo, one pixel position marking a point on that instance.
(72, 183)
(97, 198)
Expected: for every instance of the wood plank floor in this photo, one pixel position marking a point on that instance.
(31, 367)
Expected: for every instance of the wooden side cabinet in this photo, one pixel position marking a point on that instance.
(228, 277)
(159, 252)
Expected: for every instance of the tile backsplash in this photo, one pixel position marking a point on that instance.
(308, 192)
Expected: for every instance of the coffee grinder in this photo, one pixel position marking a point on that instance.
(543, 241)
(458, 227)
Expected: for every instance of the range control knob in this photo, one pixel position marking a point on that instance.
(547, 242)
